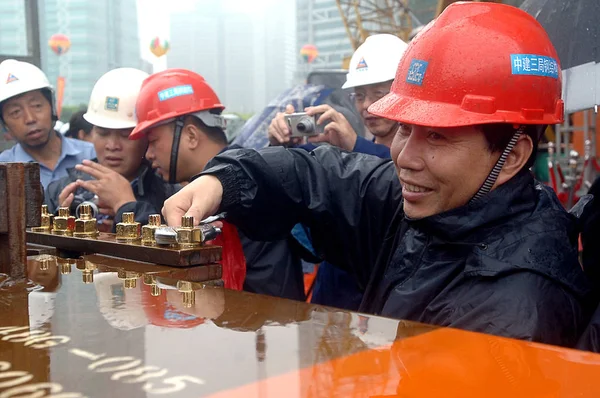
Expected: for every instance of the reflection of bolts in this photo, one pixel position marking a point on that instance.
(150, 280)
(88, 277)
(65, 268)
(66, 264)
(189, 295)
(87, 269)
(189, 299)
(85, 225)
(64, 223)
(129, 278)
(44, 261)
(128, 230)
(45, 221)
(44, 265)
(149, 229)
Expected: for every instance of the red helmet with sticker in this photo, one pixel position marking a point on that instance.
(477, 63)
(169, 94)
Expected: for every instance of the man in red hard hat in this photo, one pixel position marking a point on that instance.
(180, 114)
(454, 230)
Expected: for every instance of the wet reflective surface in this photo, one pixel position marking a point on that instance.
(102, 327)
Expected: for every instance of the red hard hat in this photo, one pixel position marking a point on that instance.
(169, 94)
(477, 63)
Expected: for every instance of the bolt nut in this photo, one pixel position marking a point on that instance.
(128, 229)
(148, 230)
(45, 221)
(187, 234)
(64, 223)
(85, 225)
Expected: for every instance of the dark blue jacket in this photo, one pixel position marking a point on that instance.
(506, 265)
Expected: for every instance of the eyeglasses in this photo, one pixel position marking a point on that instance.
(359, 98)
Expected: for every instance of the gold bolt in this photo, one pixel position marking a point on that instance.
(45, 221)
(187, 234)
(85, 225)
(128, 230)
(64, 223)
(187, 221)
(148, 230)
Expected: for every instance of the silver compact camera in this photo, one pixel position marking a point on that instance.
(303, 125)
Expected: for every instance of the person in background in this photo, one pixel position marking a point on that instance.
(120, 180)
(27, 111)
(79, 127)
(180, 116)
(372, 70)
(454, 230)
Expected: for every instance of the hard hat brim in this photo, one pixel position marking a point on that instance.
(351, 83)
(108, 123)
(410, 110)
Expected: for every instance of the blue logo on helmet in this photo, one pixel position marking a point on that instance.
(176, 91)
(416, 72)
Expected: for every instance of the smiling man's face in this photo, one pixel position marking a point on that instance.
(440, 169)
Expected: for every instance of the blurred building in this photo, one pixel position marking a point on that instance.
(319, 22)
(104, 35)
(247, 54)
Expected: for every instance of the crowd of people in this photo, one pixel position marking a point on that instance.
(437, 219)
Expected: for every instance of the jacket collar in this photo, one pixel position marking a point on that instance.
(516, 196)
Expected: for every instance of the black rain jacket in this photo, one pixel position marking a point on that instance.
(506, 265)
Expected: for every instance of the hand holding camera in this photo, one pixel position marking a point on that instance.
(319, 124)
(279, 132)
(337, 130)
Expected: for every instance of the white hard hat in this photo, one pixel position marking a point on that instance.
(112, 103)
(41, 308)
(122, 308)
(375, 61)
(18, 77)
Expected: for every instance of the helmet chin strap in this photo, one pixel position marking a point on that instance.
(175, 150)
(490, 180)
